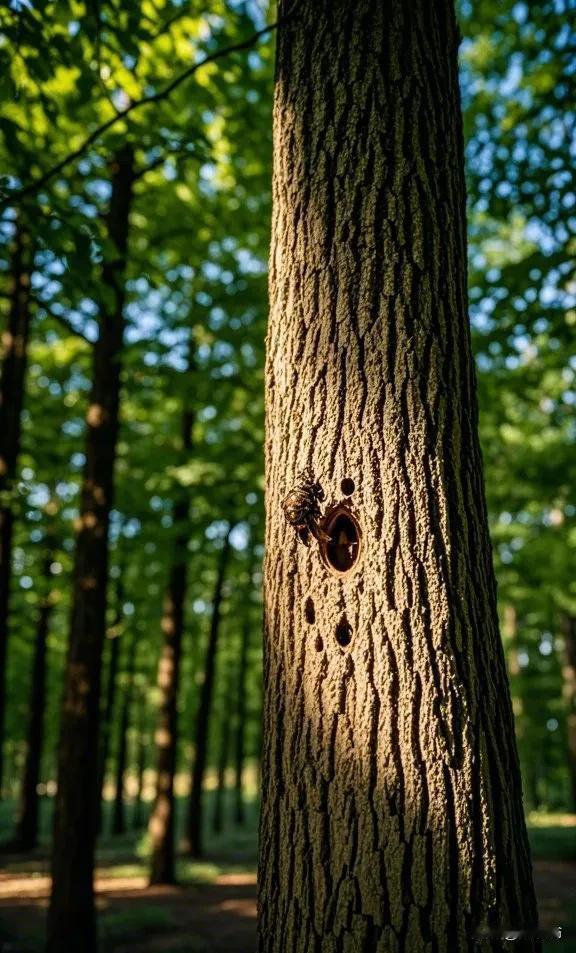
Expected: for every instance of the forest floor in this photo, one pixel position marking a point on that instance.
(214, 909)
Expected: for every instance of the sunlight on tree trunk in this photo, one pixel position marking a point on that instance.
(392, 807)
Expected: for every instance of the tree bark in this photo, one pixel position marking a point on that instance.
(161, 825)
(119, 810)
(71, 917)
(27, 826)
(194, 819)
(569, 693)
(12, 376)
(239, 809)
(392, 812)
(109, 703)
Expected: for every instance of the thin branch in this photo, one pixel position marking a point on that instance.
(36, 184)
(64, 322)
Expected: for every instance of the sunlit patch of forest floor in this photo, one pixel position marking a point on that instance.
(213, 910)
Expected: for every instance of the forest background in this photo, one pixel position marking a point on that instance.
(81, 84)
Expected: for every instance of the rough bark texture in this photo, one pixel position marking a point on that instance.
(194, 820)
(27, 825)
(161, 825)
(71, 919)
(119, 808)
(239, 809)
(392, 812)
(569, 692)
(12, 374)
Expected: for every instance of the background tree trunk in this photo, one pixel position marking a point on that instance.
(220, 795)
(194, 820)
(119, 809)
(161, 824)
(138, 816)
(569, 692)
(71, 920)
(27, 826)
(392, 808)
(12, 374)
(109, 702)
(239, 810)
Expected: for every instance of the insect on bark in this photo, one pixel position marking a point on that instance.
(301, 507)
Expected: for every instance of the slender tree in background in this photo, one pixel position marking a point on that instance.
(12, 375)
(119, 811)
(71, 917)
(161, 825)
(107, 718)
(195, 816)
(223, 756)
(239, 808)
(569, 692)
(392, 806)
(141, 748)
(27, 825)
(226, 738)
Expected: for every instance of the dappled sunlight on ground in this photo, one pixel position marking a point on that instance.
(214, 911)
(219, 917)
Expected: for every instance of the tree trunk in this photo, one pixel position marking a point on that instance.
(218, 816)
(109, 703)
(138, 819)
(194, 819)
(569, 693)
(119, 812)
(27, 826)
(161, 825)
(239, 810)
(12, 375)
(392, 807)
(71, 918)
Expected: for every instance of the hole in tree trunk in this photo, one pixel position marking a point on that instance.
(347, 486)
(341, 549)
(309, 611)
(319, 644)
(343, 633)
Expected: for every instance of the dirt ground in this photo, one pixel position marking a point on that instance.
(218, 917)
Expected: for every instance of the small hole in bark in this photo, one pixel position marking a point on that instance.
(343, 633)
(341, 548)
(348, 486)
(319, 644)
(309, 611)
